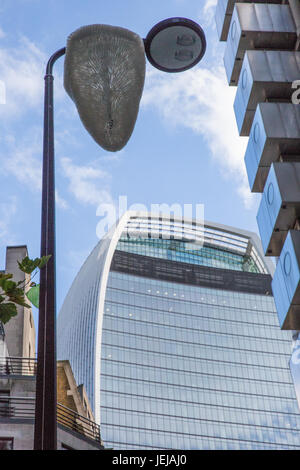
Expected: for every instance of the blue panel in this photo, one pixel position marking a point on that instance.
(286, 282)
(255, 148)
(269, 209)
(233, 40)
(264, 225)
(280, 295)
(220, 16)
(251, 164)
(244, 89)
(290, 266)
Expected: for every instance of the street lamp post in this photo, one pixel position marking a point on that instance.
(173, 45)
(45, 433)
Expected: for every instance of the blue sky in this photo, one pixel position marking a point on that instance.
(185, 147)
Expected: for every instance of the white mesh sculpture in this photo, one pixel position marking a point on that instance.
(104, 75)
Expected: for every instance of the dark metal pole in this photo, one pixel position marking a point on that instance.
(45, 431)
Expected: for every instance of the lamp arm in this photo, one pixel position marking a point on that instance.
(53, 59)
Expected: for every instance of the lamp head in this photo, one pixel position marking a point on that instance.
(104, 75)
(175, 45)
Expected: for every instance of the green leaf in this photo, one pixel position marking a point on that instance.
(7, 311)
(28, 265)
(12, 290)
(5, 276)
(7, 285)
(33, 295)
(43, 261)
(4, 282)
(19, 301)
(14, 293)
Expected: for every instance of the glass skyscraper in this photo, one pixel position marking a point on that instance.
(172, 328)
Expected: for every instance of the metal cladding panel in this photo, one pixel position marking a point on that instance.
(290, 264)
(281, 299)
(265, 76)
(264, 225)
(244, 105)
(224, 12)
(286, 283)
(223, 18)
(255, 149)
(257, 26)
(275, 132)
(279, 206)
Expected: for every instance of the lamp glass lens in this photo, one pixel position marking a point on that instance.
(176, 47)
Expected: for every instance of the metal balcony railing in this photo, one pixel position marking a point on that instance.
(16, 408)
(17, 366)
(78, 423)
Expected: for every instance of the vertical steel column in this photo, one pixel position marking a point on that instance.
(45, 431)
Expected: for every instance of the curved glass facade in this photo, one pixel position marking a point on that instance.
(191, 354)
(176, 250)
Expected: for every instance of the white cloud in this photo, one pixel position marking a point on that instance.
(210, 7)
(208, 12)
(2, 93)
(22, 70)
(61, 203)
(201, 100)
(21, 157)
(86, 183)
(8, 210)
